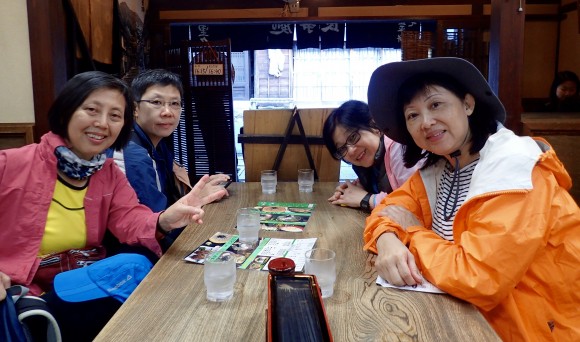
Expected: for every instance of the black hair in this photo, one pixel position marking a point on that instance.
(560, 78)
(76, 91)
(482, 123)
(352, 115)
(154, 77)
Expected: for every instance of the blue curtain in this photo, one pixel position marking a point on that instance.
(375, 34)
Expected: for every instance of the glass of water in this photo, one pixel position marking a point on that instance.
(269, 179)
(305, 180)
(321, 262)
(219, 276)
(248, 225)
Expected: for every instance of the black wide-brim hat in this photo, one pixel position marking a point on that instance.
(387, 79)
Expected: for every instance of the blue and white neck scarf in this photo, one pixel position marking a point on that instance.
(76, 168)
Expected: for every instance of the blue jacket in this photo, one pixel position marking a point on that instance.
(149, 170)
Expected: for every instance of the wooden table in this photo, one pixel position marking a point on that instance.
(170, 304)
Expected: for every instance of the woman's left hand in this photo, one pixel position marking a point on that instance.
(188, 208)
(400, 215)
(349, 194)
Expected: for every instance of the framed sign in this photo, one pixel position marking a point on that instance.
(204, 69)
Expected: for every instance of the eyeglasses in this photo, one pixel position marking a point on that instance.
(158, 104)
(351, 140)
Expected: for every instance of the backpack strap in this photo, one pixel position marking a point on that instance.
(34, 314)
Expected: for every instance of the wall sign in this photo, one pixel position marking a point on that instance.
(208, 69)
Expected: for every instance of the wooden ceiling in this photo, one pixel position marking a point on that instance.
(316, 10)
(237, 4)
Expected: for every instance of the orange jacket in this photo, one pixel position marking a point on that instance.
(516, 249)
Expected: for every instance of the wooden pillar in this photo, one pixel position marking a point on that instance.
(48, 55)
(506, 54)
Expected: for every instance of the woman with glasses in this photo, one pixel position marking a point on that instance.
(351, 134)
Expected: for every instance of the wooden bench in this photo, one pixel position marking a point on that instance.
(562, 131)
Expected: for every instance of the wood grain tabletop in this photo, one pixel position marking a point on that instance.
(170, 304)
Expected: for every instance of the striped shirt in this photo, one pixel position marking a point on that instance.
(442, 227)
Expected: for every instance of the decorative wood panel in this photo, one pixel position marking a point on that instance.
(259, 157)
(16, 135)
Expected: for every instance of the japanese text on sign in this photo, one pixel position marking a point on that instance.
(208, 69)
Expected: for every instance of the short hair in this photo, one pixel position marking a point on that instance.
(76, 91)
(560, 78)
(482, 123)
(152, 77)
(353, 115)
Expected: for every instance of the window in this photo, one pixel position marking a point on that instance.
(309, 78)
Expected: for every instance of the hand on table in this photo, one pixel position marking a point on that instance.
(349, 194)
(188, 208)
(395, 263)
(216, 184)
(4, 284)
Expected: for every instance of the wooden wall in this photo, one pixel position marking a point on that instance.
(569, 37)
(15, 135)
(551, 44)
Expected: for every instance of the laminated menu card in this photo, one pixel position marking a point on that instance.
(258, 258)
(285, 216)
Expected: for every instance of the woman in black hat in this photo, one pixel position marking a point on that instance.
(488, 218)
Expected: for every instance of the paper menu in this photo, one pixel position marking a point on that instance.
(284, 216)
(424, 287)
(272, 248)
(258, 258)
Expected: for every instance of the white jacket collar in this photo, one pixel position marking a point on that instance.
(505, 163)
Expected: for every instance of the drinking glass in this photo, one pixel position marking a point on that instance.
(219, 276)
(248, 225)
(305, 180)
(269, 179)
(321, 262)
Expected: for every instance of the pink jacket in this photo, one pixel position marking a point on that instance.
(27, 180)
(396, 170)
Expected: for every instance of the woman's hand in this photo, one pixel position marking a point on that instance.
(395, 263)
(400, 215)
(4, 284)
(188, 208)
(214, 185)
(349, 193)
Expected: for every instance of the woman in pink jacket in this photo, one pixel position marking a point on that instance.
(63, 194)
(488, 218)
(351, 134)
